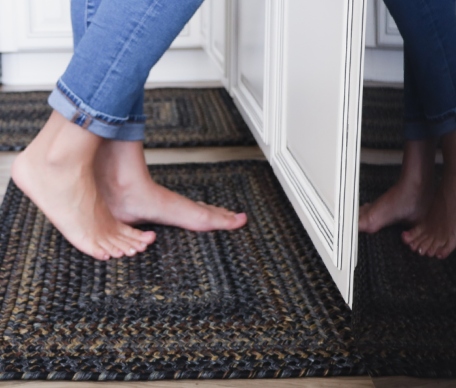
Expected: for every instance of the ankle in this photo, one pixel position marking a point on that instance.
(415, 182)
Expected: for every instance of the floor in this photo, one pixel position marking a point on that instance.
(215, 154)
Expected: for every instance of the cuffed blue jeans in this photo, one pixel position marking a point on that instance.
(428, 28)
(116, 43)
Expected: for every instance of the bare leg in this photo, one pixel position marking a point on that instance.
(56, 173)
(133, 197)
(409, 199)
(435, 235)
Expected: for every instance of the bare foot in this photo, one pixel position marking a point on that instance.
(133, 197)
(56, 173)
(436, 234)
(409, 199)
(405, 202)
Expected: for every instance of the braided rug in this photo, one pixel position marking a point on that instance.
(404, 314)
(252, 303)
(382, 125)
(197, 117)
(176, 118)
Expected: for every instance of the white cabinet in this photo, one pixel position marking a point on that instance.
(36, 45)
(248, 19)
(215, 31)
(297, 78)
(388, 34)
(384, 55)
(294, 69)
(42, 24)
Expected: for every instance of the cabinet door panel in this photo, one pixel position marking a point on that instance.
(248, 76)
(251, 47)
(318, 75)
(315, 95)
(45, 26)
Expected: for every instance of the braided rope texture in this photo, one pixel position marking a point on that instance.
(175, 118)
(257, 302)
(404, 315)
(383, 118)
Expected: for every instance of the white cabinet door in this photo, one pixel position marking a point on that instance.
(36, 44)
(248, 72)
(318, 70)
(297, 78)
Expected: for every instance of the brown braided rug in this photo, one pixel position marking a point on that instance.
(197, 117)
(382, 125)
(176, 118)
(404, 304)
(253, 303)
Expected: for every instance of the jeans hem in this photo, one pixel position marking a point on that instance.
(131, 131)
(440, 128)
(74, 110)
(417, 130)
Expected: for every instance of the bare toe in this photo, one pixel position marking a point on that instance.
(424, 246)
(138, 246)
(125, 246)
(410, 236)
(100, 254)
(136, 234)
(415, 245)
(435, 247)
(225, 221)
(112, 249)
(444, 251)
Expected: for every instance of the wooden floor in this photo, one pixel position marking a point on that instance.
(215, 154)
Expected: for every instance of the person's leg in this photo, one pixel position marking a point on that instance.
(95, 97)
(97, 92)
(435, 235)
(82, 14)
(133, 197)
(56, 172)
(123, 179)
(429, 30)
(409, 199)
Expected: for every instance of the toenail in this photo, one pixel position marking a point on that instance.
(106, 257)
(420, 251)
(143, 245)
(132, 251)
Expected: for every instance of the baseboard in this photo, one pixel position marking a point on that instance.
(384, 65)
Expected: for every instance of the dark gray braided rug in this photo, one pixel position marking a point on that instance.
(382, 125)
(253, 303)
(404, 312)
(176, 118)
(197, 117)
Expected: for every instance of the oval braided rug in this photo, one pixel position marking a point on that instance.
(252, 303)
(176, 117)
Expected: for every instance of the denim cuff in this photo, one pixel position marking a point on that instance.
(109, 127)
(131, 131)
(440, 128)
(417, 130)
